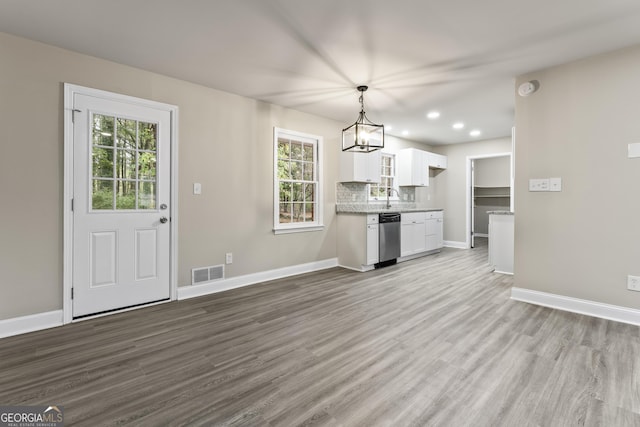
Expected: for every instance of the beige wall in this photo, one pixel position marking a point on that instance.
(451, 184)
(225, 143)
(581, 242)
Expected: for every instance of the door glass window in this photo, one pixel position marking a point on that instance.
(123, 164)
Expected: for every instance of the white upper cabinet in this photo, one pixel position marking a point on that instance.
(360, 167)
(437, 161)
(414, 164)
(413, 168)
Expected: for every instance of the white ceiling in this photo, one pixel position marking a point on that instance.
(459, 57)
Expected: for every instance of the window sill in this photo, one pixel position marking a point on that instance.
(288, 230)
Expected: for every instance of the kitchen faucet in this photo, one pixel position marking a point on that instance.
(389, 191)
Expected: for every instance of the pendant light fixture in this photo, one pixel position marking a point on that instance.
(363, 136)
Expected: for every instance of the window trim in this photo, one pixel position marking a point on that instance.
(395, 180)
(318, 224)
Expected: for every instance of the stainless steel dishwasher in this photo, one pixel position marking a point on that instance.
(389, 238)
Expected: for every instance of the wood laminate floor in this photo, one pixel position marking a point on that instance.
(430, 342)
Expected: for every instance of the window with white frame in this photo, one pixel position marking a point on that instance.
(387, 178)
(297, 186)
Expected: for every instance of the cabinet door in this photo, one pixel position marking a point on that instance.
(412, 233)
(413, 168)
(406, 239)
(372, 244)
(360, 167)
(431, 239)
(437, 161)
(440, 233)
(419, 242)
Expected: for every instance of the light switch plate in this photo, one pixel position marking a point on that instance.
(539, 184)
(197, 188)
(555, 184)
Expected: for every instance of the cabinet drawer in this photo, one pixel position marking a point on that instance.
(372, 219)
(434, 215)
(412, 217)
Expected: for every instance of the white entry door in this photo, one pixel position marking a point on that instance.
(121, 196)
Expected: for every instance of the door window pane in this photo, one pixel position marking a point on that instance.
(147, 136)
(126, 164)
(102, 132)
(102, 194)
(127, 133)
(146, 195)
(146, 165)
(125, 194)
(102, 162)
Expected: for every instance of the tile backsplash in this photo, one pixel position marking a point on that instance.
(356, 193)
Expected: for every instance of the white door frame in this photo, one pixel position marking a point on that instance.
(470, 193)
(67, 271)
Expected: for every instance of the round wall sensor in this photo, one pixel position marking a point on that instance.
(527, 88)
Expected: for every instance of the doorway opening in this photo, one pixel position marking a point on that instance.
(489, 188)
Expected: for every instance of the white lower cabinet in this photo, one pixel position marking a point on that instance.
(412, 232)
(358, 235)
(421, 233)
(434, 231)
(373, 248)
(358, 241)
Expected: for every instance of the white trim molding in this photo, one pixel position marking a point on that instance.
(455, 245)
(31, 323)
(193, 291)
(575, 305)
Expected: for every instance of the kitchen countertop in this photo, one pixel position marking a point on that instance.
(499, 213)
(375, 209)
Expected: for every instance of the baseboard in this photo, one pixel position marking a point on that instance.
(509, 273)
(575, 305)
(455, 245)
(31, 323)
(193, 291)
(362, 269)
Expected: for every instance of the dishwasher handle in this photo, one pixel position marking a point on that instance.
(388, 217)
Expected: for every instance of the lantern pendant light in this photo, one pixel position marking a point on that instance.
(363, 136)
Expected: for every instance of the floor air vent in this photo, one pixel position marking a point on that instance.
(207, 274)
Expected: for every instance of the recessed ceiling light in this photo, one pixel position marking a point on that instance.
(458, 125)
(405, 132)
(475, 132)
(433, 115)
